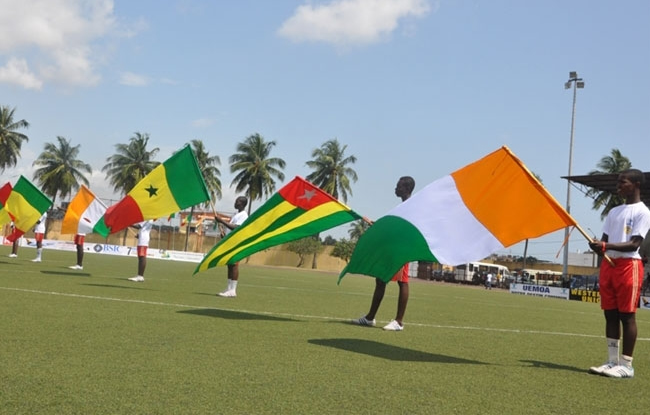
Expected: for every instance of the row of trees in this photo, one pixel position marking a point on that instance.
(59, 172)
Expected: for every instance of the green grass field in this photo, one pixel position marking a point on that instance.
(91, 342)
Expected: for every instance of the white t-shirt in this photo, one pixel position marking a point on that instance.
(143, 234)
(40, 226)
(622, 223)
(237, 219)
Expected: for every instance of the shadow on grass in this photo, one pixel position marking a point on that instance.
(548, 365)
(233, 315)
(129, 287)
(80, 274)
(389, 352)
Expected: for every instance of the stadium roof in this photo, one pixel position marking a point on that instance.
(607, 183)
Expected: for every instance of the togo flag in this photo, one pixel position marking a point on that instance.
(486, 206)
(174, 185)
(84, 214)
(298, 210)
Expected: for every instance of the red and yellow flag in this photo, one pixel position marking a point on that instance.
(5, 191)
(174, 185)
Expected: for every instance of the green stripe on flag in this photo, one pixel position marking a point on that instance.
(32, 195)
(399, 238)
(185, 179)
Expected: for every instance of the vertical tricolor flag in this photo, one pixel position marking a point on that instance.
(488, 205)
(84, 214)
(298, 210)
(26, 204)
(5, 191)
(174, 185)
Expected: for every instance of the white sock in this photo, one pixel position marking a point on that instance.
(612, 350)
(234, 285)
(229, 285)
(626, 360)
(39, 252)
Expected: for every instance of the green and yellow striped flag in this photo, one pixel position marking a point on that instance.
(298, 210)
(26, 204)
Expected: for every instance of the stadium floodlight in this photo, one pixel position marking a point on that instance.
(577, 83)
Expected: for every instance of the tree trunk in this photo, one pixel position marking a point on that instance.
(314, 261)
(187, 227)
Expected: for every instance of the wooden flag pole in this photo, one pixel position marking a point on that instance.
(590, 239)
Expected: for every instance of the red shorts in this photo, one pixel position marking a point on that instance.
(39, 237)
(620, 285)
(79, 239)
(402, 275)
(142, 250)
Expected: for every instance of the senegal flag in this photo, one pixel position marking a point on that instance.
(485, 206)
(298, 210)
(26, 204)
(174, 185)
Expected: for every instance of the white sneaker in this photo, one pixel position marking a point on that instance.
(363, 321)
(76, 267)
(393, 326)
(13, 256)
(137, 278)
(229, 294)
(36, 260)
(619, 371)
(599, 370)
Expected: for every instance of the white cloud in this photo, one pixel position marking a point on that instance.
(54, 40)
(132, 79)
(17, 72)
(350, 22)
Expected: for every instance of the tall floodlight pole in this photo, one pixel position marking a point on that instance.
(577, 83)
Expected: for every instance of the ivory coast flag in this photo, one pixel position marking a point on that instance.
(5, 191)
(84, 214)
(172, 186)
(26, 204)
(488, 205)
(298, 210)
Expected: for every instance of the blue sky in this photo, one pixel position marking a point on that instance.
(412, 87)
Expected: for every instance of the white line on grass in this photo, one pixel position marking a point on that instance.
(439, 326)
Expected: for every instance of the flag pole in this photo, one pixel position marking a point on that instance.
(590, 239)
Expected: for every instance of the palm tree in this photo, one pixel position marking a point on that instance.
(59, 170)
(614, 163)
(10, 139)
(331, 171)
(130, 164)
(255, 169)
(357, 229)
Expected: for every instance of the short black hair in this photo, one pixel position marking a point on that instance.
(635, 175)
(244, 199)
(409, 183)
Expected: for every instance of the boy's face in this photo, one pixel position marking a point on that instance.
(240, 203)
(624, 186)
(400, 189)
